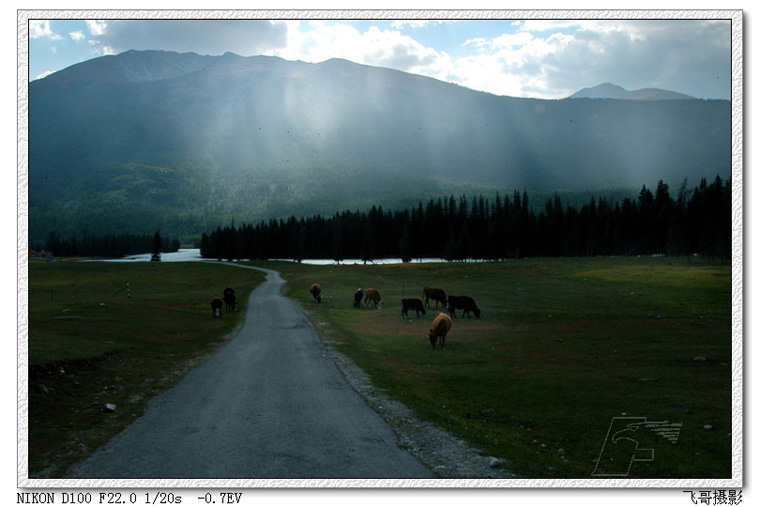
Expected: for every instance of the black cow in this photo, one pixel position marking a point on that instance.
(412, 304)
(229, 299)
(466, 304)
(358, 295)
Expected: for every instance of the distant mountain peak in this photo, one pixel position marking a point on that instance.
(612, 91)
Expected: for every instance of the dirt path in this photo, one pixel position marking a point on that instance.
(270, 404)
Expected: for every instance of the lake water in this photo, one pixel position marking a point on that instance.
(194, 254)
(183, 255)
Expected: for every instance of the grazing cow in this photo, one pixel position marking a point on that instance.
(412, 304)
(229, 299)
(316, 292)
(358, 295)
(216, 306)
(466, 304)
(437, 295)
(372, 295)
(441, 327)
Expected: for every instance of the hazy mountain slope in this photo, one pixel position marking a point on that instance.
(611, 91)
(184, 142)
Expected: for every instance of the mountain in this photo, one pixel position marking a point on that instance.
(183, 143)
(611, 91)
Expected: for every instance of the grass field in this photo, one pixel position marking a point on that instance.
(90, 344)
(563, 346)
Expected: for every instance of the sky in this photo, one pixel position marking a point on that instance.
(536, 58)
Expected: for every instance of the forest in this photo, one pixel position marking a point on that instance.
(694, 221)
(89, 244)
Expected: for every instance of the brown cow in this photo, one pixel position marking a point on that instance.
(436, 294)
(316, 292)
(441, 327)
(216, 306)
(374, 296)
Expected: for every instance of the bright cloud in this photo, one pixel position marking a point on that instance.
(41, 29)
(317, 41)
(96, 27)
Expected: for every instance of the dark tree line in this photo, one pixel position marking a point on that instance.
(107, 245)
(696, 221)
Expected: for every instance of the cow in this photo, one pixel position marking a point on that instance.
(316, 292)
(229, 299)
(412, 304)
(216, 307)
(372, 295)
(358, 295)
(441, 327)
(466, 304)
(434, 293)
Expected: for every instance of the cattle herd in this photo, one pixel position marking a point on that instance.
(371, 297)
(227, 300)
(441, 323)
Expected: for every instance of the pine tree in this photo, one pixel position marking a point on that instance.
(156, 255)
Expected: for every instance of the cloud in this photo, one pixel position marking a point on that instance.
(553, 59)
(317, 41)
(417, 23)
(389, 48)
(44, 74)
(77, 36)
(41, 29)
(531, 58)
(96, 27)
(212, 37)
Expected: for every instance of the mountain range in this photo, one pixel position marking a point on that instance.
(148, 140)
(611, 91)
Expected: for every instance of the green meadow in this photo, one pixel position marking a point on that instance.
(92, 342)
(562, 347)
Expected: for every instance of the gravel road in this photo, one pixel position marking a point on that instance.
(270, 404)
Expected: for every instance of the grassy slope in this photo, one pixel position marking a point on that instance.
(563, 346)
(89, 344)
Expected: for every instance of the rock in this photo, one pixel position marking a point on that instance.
(700, 358)
(109, 407)
(708, 426)
(495, 463)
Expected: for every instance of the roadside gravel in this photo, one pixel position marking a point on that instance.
(447, 456)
